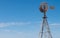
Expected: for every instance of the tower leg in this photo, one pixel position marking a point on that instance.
(45, 30)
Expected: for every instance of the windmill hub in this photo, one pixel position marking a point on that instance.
(43, 7)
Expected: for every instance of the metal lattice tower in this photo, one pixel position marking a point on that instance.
(45, 30)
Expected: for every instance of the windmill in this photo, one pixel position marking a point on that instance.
(45, 30)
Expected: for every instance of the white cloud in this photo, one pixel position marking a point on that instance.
(9, 31)
(17, 34)
(55, 25)
(58, 24)
(5, 24)
(13, 23)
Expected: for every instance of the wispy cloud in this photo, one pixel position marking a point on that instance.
(9, 31)
(17, 34)
(5, 24)
(13, 23)
(54, 24)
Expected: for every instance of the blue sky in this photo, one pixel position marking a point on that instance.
(22, 18)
